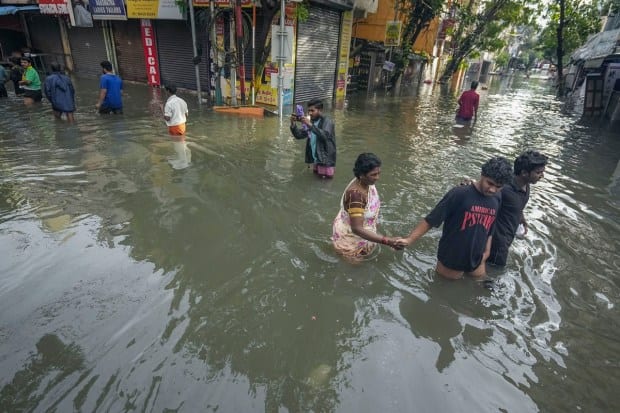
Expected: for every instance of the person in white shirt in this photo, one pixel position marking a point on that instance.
(175, 115)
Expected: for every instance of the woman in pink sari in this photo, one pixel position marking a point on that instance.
(355, 227)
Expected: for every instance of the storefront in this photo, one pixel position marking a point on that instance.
(88, 49)
(45, 38)
(176, 54)
(129, 56)
(317, 51)
(90, 39)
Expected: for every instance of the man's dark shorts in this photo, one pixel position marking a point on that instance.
(35, 95)
(499, 254)
(104, 110)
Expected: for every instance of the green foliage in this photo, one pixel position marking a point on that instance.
(182, 5)
(480, 27)
(417, 16)
(502, 59)
(301, 12)
(581, 20)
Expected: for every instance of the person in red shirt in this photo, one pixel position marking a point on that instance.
(468, 104)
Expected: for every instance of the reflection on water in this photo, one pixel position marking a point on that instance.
(130, 284)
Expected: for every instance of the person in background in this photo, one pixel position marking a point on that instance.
(175, 115)
(60, 92)
(110, 91)
(4, 77)
(30, 83)
(468, 214)
(16, 75)
(468, 104)
(354, 231)
(529, 168)
(321, 138)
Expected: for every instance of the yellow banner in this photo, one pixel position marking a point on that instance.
(154, 9)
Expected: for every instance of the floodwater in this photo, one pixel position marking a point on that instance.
(129, 285)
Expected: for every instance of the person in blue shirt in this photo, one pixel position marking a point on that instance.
(110, 91)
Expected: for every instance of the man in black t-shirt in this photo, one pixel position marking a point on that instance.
(529, 168)
(468, 215)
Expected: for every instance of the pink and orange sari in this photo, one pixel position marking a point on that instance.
(343, 238)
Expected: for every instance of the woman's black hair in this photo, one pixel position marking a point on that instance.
(365, 163)
(498, 169)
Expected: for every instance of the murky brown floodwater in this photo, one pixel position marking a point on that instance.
(127, 285)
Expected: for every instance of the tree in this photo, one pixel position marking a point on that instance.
(417, 15)
(569, 24)
(481, 30)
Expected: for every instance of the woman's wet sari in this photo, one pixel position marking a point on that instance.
(343, 238)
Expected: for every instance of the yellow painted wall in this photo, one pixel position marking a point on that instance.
(426, 39)
(373, 26)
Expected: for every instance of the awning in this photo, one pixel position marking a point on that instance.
(593, 63)
(4, 10)
(600, 45)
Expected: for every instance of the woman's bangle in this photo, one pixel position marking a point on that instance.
(384, 241)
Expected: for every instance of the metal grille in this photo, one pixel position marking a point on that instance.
(129, 53)
(88, 49)
(174, 47)
(317, 55)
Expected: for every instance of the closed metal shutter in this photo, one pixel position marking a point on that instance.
(45, 37)
(174, 47)
(317, 54)
(88, 49)
(129, 52)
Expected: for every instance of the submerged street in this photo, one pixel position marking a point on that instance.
(129, 285)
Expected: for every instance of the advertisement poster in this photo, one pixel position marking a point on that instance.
(154, 9)
(107, 9)
(392, 33)
(266, 92)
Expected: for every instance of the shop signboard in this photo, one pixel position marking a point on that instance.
(107, 9)
(343, 57)
(150, 52)
(57, 7)
(154, 9)
(392, 33)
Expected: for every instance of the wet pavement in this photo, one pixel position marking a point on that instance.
(129, 285)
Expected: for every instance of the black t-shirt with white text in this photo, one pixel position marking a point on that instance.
(468, 219)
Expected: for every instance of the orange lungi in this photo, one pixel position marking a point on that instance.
(177, 132)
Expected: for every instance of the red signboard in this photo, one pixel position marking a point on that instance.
(150, 52)
(54, 6)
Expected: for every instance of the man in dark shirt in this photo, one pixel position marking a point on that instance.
(529, 168)
(468, 104)
(468, 215)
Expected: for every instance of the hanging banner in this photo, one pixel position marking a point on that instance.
(154, 9)
(150, 52)
(343, 56)
(392, 33)
(57, 7)
(107, 9)
(222, 4)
